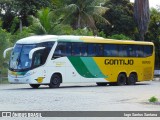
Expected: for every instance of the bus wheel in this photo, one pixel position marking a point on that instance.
(35, 86)
(121, 80)
(132, 79)
(101, 84)
(55, 81)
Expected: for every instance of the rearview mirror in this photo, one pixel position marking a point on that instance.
(6, 50)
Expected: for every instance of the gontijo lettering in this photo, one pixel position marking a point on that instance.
(118, 62)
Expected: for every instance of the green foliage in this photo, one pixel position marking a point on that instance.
(120, 16)
(102, 34)
(153, 33)
(43, 24)
(0, 23)
(81, 14)
(15, 25)
(47, 23)
(119, 37)
(19, 35)
(153, 99)
(4, 42)
(62, 29)
(21, 9)
(154, 26)
(83, 32)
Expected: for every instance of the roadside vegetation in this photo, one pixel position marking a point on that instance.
(153, 99)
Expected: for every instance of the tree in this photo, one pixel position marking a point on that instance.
(153, 34)
(120, 16)
(154, 26)
(20, 9)
(142, 17)
(83, 13)
(47, 23)
(4, 42)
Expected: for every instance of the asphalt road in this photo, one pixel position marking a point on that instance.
(79, 97)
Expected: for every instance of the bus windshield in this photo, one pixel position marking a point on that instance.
(20, 57)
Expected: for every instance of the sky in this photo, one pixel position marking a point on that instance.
(152, 3)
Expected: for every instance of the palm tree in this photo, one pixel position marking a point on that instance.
(43, 23)
(142, 17)
(83, 14)
(47, 23)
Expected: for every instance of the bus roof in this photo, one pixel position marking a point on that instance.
(72, 38)
(37, 39)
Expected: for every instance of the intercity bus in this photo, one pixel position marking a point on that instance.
(52, 60)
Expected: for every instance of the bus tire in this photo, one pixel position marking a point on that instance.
(132, 79)
(55, 81)
(101, 84)
(35, 86)
(121, 80)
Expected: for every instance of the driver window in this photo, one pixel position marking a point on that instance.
(37, 59)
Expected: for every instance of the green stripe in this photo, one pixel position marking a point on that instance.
(86, 67)
(80, 67)
(92, 67)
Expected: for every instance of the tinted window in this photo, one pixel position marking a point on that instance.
(131, 51)
(48, 46)
(76, 49)
(123, 49)
(148, 50)
(68, 49)
(60, 50)
(139, 51)
(91, 49)
(99, 49)
(84, 50)
(110, 50)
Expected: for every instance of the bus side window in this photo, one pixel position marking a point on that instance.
(84, 49)
(91, 50)
(38, 58)
(76, 49)
(60, 50)
(68, 49)
(106, 50)
(139, 51)
(48, 46)
(131, 51)
(110, 50)
(148, 50)
(123, 50)
(99, 50)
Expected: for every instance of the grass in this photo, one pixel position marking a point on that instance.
(153, 99)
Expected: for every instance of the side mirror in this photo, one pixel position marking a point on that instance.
(5, 52)
(34, 50)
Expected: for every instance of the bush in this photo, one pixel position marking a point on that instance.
(19, 35)
(153, 99)
(119, 37)
(83, 32)
(102, 34)
(4, 42)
